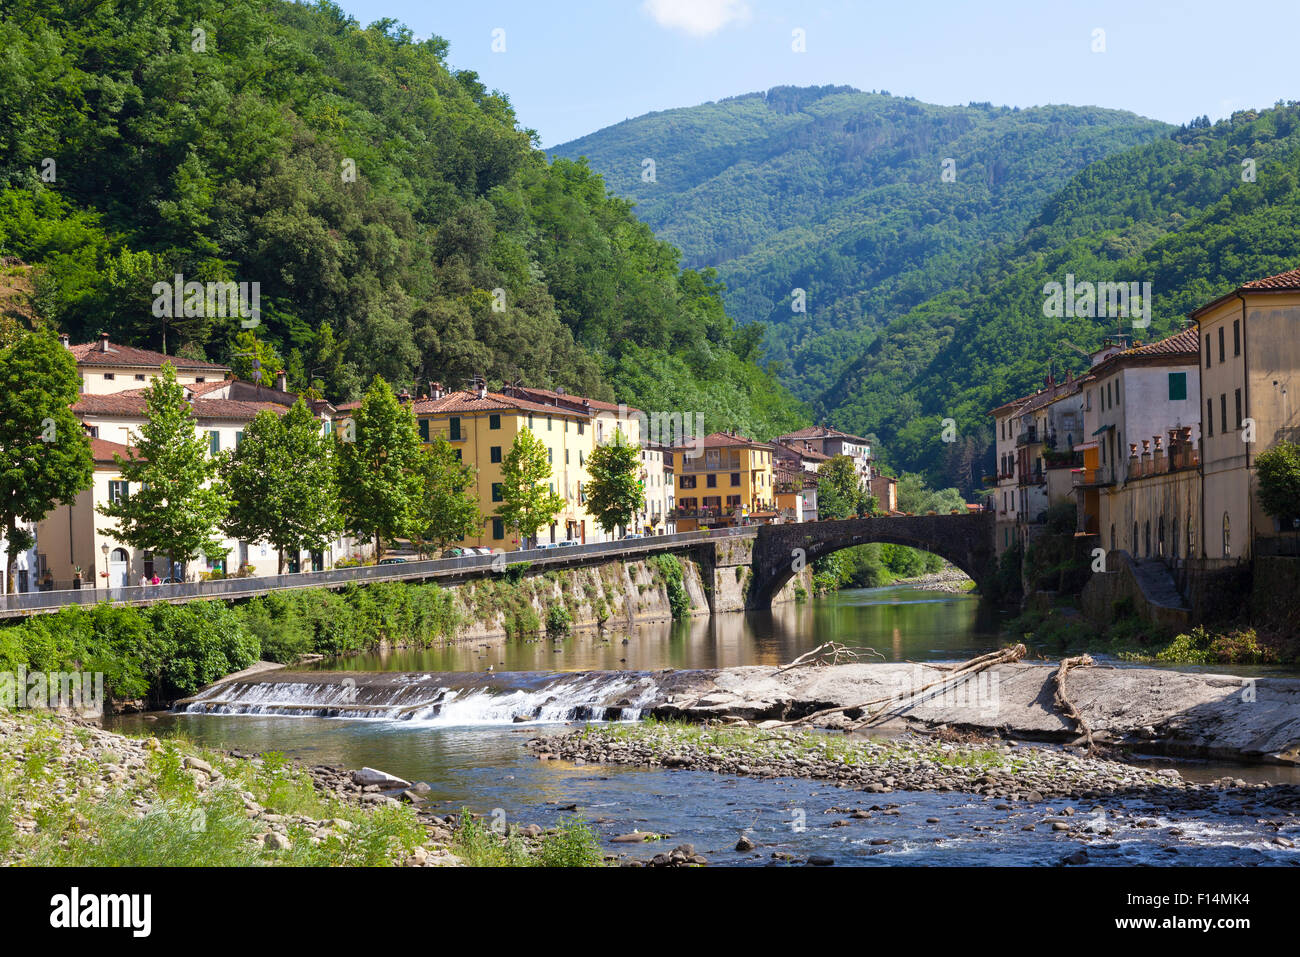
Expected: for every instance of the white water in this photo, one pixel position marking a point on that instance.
(434, 701)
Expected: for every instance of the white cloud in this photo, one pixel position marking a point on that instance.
(699, 18)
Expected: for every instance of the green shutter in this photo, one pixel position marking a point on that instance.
(1177, 386)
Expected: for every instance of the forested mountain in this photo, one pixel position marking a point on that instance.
(1179, 213)
(926, 302)
(842, 194)
(397, 218)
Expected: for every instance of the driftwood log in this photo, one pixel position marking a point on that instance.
(1062, 700)
(949, 680)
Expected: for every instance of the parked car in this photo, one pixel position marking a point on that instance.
(542, 545)
(633, 535)
(392, 561)
(566, 542)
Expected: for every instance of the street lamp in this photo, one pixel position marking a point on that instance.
(107, 582)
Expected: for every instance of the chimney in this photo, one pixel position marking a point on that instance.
(281, 382)
(63, 338)
(103, 342)
(482, 386)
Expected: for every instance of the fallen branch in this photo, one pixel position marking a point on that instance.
(818, 656)
(1063, 701)
(952, 678)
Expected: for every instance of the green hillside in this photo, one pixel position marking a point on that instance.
(217, 140)
(1175, 213)
(840, 193)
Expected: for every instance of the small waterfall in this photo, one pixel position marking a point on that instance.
(436, 699)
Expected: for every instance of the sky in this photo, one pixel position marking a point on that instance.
(570, 68)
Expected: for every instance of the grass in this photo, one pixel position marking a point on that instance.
(571, 844)
(180, 825)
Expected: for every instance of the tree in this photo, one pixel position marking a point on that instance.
(1278, 470)
(44, 453)
(378, 467)
(446, 510)
(282, 484)
(527, 501)
(175, 497)
(255, 360)
(839, 492)
(615, 493)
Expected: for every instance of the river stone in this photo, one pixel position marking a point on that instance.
(369, 777)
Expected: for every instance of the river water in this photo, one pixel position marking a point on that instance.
(479, 760)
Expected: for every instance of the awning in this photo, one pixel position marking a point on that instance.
(1103, 429)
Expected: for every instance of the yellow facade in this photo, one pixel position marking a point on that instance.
(483, 438)
(730, 481)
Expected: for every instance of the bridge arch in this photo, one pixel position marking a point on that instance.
(965, 540)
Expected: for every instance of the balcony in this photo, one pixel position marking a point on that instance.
(1086, 478)
(1028, 437)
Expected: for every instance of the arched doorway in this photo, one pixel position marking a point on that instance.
(119, 565)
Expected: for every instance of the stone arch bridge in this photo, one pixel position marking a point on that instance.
(965, 540)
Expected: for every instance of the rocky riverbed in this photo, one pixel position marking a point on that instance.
(949, 579)
(990, 767)
(73, 793)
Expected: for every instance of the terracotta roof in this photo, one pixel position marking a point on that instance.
(726, 439)
(466, 401)
(102, 451)
(1046, 397)
(820, 432)
(812, 454)
(91, 354)
(1288, 281)
(551, 397)
(1185, 342)
(132, 404)
(1283, 280)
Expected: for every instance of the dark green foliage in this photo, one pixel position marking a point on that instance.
(380, 197)
(839, 193)
(669, 571)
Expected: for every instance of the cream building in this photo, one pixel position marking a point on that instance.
(1249, 364)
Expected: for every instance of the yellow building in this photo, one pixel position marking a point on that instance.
(482, 426)
(729, 480)
(1249, 362)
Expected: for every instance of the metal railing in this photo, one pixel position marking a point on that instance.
(229, 588)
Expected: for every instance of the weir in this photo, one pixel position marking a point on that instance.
(440, 698)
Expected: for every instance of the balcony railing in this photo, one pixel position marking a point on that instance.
(1090, 477)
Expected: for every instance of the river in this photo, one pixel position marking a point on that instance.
(481, 762)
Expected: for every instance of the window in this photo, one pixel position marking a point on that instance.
(1237, 398)
(496, 492)
(1135, 539)
(1117, 399)
(550, 455)
(1223, 412)
(581, 427)
(199, 378)
(1109, 399)
(424, 430)
(1208, 363)
(457, 451)
(1222, 355)
(566, 456)
(453, 428)
(214, 442)
(1236, 337)
(735, 479)
(139, 378)
(498, 528)
(530, 420)
(688, 481)
(548, 423)
(239, 438)
(1227, 539)
(494, 453)
(1113, 545)
(92, 431)
(1177, 386)
(1209, 417)
(109, 377)
(118, 491)
(494, 421)
(711, 480)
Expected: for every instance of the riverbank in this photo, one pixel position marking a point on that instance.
(990, 767)
(949, 579)
(74, 794)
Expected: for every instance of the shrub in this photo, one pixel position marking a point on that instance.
(558, 619)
